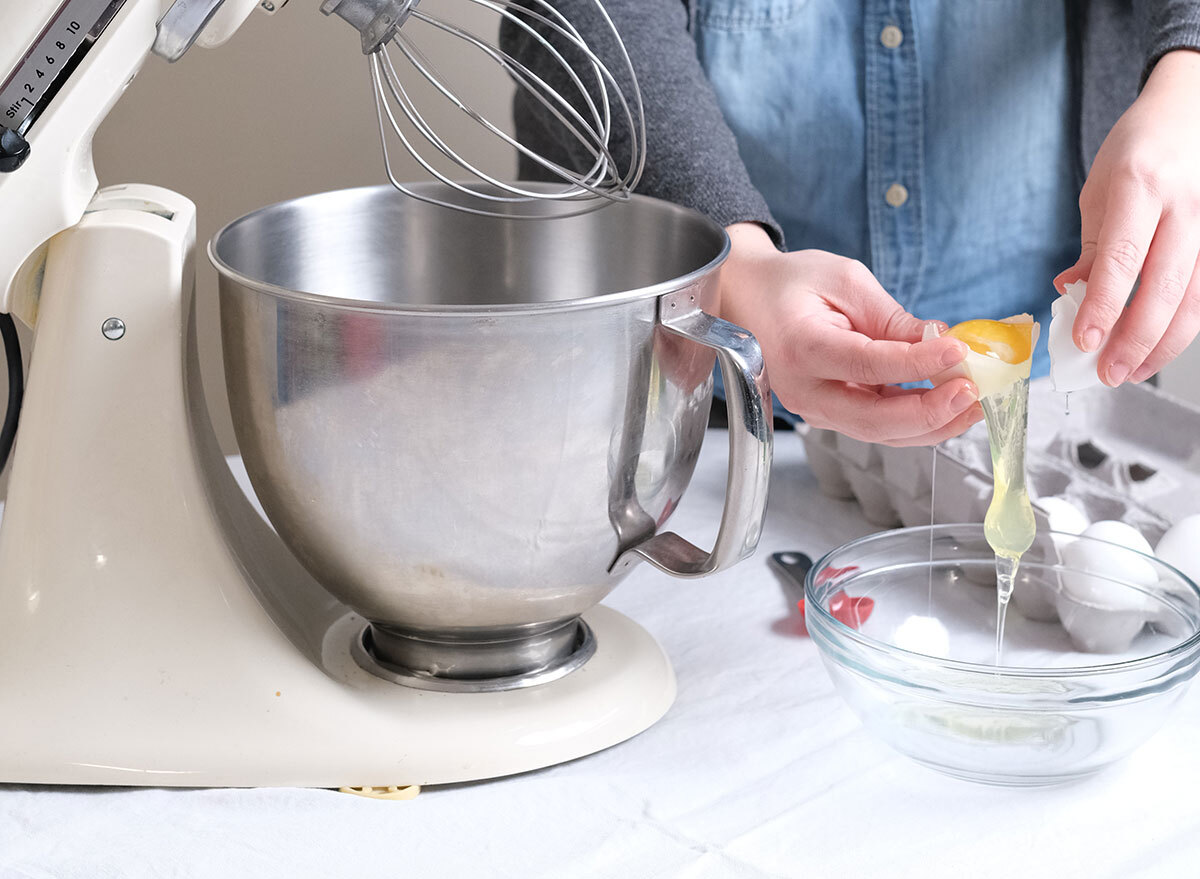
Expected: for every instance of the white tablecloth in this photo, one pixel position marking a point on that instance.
(759, 770)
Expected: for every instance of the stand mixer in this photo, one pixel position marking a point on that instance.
(154, 629)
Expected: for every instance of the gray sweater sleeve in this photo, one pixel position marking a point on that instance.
(1123, 40)
(1166, 25)
(692, 156)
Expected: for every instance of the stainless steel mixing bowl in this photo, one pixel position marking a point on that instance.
(469, 428)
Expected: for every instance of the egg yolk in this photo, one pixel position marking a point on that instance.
(1011, 343)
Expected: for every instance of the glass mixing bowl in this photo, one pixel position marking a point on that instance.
(1088, 672)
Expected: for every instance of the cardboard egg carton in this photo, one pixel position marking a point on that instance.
(1128, 454)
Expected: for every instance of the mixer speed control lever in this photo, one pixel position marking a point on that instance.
(14, 150)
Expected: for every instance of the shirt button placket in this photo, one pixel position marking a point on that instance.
(893, 105)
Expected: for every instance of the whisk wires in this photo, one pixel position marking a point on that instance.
(587, 121)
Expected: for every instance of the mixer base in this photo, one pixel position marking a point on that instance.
(335, 726)
(153, 628)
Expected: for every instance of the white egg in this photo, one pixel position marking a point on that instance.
(1070, 368)
(926, 635)
(991, 375)
(1121, 534)
(1063, 516)
(1102, 575)
(1180, 547)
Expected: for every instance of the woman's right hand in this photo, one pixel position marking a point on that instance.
(836, 344)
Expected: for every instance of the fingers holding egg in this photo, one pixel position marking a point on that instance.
(837, 355)
(1145, 340)
(926, 411)
(897, 416)
(957, 425)
(1184, 327)
(1164, 282)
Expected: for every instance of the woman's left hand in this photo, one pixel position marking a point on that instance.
(1140, 209)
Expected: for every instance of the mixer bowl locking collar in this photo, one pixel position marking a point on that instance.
(376, 20)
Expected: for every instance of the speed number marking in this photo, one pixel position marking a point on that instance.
(59, 48)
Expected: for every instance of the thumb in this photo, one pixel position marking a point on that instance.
(902, 326)
(905, 327)
(1077, 272)
(875, 314)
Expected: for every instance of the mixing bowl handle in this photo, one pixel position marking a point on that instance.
(748, 402)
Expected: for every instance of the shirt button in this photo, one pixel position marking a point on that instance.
(896, 195)
(891, 36)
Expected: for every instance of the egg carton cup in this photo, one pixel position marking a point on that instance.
(1096, 625)
(1099, 628)
(1128, 454)
(1140, 441)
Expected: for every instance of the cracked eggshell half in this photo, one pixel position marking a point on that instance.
(1070, 368)
(984, 364)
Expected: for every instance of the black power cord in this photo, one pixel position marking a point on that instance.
(16, 386)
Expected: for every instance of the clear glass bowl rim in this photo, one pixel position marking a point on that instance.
(836, 628)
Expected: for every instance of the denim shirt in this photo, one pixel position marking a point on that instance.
(930, 139)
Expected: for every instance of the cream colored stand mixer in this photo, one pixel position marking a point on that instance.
(154, 629)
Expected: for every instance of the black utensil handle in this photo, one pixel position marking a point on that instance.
(793, 565)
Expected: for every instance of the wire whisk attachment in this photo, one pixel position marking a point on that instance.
(567, 78)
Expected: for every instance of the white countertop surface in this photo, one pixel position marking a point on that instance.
(759, 770)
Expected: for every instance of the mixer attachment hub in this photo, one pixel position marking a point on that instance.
(474, 664)
(376, 20)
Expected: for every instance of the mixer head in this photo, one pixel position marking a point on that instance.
(588, 115)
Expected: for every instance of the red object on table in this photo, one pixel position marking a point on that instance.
(849, 610)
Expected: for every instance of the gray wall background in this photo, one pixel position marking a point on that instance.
(283, 109)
